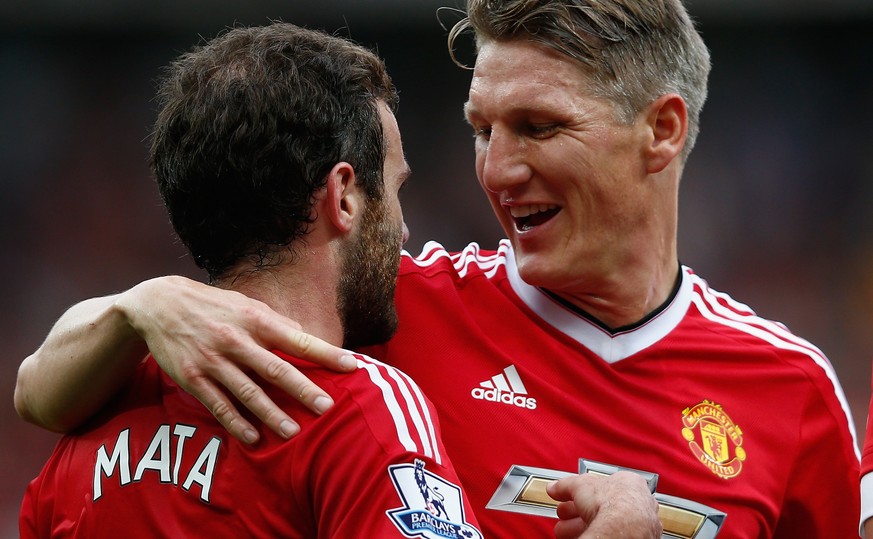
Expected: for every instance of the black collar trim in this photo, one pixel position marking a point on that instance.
(623, 329)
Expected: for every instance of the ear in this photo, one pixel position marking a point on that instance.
(344, 200)
(667, 120)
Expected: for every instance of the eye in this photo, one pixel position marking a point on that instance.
(483, 133)
(541, 130)
(480, 131)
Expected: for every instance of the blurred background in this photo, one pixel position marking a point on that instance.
(776, 202)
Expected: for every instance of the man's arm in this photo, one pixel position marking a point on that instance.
(89, 354)
(205, 338)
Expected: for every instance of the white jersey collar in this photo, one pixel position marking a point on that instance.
(611, 347)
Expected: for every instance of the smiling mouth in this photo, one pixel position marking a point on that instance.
(528, 217)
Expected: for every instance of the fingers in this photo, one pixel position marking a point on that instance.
(572, 486)
(285, 376)
(226, 372)
(207, 339)
(570, 529)
(568, 510)
(302, 345)
(571, 525)
(619, 505)
(214, 399)
(209, 389)
(278, 372)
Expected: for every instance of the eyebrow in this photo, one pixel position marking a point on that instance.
(467, 108)
(514, 110)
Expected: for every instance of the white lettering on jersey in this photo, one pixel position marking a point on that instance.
(203, 477)
(106, 465)
(183, 432)
(160, 443)
(508, 397)
(159, 457)
(506, 388)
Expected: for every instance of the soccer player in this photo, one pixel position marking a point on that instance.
(279, 160)
(581, 335)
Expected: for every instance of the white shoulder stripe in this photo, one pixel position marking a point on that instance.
(408, 411)
(772, 333)
(748, 317)
(471, 255)
(423, 422)
(430, 254)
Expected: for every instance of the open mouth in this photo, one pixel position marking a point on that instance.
(528, 217)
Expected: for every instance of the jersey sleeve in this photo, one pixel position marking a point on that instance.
(867, 471)
(29, 523)
(823, 499)
(383, 469)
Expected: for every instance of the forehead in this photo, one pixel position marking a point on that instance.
(394, 157)
(514, 75)
(390, 129)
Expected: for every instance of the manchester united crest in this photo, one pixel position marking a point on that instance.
(715, 440)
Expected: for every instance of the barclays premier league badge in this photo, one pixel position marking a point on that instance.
(433, 508)
(523, 490)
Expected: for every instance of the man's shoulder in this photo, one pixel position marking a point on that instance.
(721, 309)
(386, 402)
(434, 258)
(726, 322)
(371, 381)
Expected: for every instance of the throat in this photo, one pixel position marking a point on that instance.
(620, 328)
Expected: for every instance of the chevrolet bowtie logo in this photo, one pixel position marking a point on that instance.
(523, 490)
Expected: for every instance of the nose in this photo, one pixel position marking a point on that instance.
(501, 161)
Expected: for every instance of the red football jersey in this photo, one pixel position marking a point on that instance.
(730, 410)
(155, 463)
(867, 470)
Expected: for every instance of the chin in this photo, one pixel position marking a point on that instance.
(546, 268)
(534, 270)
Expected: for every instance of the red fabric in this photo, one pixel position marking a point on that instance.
(332, 480)
(764, 402)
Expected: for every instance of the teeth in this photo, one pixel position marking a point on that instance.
(524, 211)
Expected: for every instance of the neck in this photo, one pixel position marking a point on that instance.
(626, 299)
(639, 278)
(628, 287)
(304, 291)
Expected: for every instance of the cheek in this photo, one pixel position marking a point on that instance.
(399, 224)
(395, 211)
(480, 164)
(480, 149)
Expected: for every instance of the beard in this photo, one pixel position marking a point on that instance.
(365, 294)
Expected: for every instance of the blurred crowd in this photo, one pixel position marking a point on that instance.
(777, 198)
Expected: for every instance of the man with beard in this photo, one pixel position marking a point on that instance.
(270, 197)
(580, 336)
(280, 162)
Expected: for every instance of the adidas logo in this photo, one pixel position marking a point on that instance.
(506, 388)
